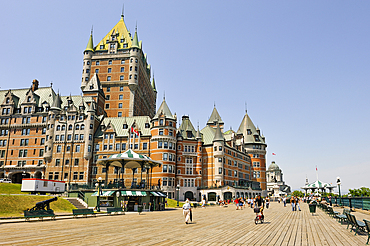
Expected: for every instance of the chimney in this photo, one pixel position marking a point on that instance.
(35, 84)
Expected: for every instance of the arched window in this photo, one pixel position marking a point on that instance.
(82, 127)
(58, 128)
(70, 127)
(77, 127)
(63, 127)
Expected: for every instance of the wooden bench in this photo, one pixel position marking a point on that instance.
(39, 214)
(367, 226)
(112, 211)
(342, 217)
(356, 224)
(84, 212)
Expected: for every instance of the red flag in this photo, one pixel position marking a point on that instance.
(134, 131)
(273, 154)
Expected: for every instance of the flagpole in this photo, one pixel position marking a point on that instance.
(317, 174)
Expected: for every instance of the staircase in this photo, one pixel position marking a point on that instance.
(77, 202)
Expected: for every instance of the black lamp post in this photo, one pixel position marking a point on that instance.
(178, 194)
(98, 185)
(340, 198)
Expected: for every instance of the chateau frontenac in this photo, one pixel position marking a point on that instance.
(48, 136)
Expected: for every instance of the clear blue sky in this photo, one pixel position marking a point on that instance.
(302, 67)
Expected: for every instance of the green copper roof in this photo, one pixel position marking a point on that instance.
(218, 135)
(243, 128)
(164, 110)
(90, 44)
(135, 41)
(215, 116)
(208, 135)
(45, 95)
(187, 126)
(153, 85)
(118, 122)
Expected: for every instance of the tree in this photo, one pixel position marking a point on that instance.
(297, 193)
(363, 191)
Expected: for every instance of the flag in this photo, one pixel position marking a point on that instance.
(134, 131)
(273, 154)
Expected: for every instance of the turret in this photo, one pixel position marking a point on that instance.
(218, 154)
(53, 112)
(134, 63)
(89, 131)
(87, 62)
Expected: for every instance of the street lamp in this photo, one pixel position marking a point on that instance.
(98, 186)
(178, 194)
(340, 199)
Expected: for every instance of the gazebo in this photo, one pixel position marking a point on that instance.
(132, 160)
(318, 185)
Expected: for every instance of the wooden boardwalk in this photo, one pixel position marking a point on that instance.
(211, 226)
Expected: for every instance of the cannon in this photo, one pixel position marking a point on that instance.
(43, 205)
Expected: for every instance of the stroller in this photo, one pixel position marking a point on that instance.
(259, 215)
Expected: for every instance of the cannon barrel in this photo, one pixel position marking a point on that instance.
(44, 205)
(47, 201)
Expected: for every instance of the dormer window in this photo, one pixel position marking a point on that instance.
(125, 126)
(189, 134)
(147, 125)
(101, 46)
(7, 100)
(161, 122)
(29, 99)
(122, 40)
(249, 132)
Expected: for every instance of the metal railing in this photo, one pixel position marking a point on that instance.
(352, 202)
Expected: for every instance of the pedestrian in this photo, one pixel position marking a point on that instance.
(297, 200)
(330, 202)
(267, 202)
(292, 202)
(284, 201)
(203, 203)
(186, 208)
(237, 203)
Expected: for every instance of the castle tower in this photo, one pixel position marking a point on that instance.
(122, 68)
(53, 112)
(163, 148)
(255, 145)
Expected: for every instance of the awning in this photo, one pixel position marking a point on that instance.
(133, 193)
(104, 193)
(157, 193)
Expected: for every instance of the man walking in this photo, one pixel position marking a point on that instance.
(186, 208)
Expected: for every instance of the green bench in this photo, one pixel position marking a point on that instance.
(367, 225)
(28, 214)
(114, 210)
(355, 224)
(342, 217)
(84, 212)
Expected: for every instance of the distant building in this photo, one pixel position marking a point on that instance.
(46, 135)
(275, 179)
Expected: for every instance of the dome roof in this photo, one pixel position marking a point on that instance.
(273, 167)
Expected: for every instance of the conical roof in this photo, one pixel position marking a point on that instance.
(90, 44)
(215, 116)
(185, 127)
(57, 102)
(153, 85)
(135, 41)
(164, 110)
(218, 134)
(246, 125)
